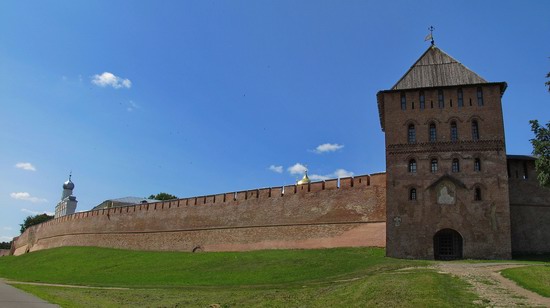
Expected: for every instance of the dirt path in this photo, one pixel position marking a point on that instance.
(493, 288)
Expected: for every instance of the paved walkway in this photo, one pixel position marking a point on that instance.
(11, 297)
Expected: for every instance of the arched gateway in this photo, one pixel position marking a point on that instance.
(447, 245)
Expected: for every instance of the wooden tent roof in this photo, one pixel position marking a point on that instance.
(435, 68)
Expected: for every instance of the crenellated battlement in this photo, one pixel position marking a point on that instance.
(333, 213)
(232, 198)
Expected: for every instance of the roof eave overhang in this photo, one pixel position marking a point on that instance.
(503, 86)
(380, 102)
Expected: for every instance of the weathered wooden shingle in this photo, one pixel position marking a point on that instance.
(435, 68)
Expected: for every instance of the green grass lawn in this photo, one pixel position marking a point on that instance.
(534, 278)
(417, 288)
(93, 266)
(343, 277)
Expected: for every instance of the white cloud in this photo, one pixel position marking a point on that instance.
(110, 79)
(4, 238)
(328, 147)
(36, 212)
(339, 173)
(317, 177)
(132, 106)
(25, 196)
(297, 169)
(342, 173)
(25, 166)
(277, 169)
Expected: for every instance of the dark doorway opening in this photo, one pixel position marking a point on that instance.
(447, 245)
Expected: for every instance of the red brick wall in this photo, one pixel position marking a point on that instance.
(307, 216)
(484, 225)
(529, 209)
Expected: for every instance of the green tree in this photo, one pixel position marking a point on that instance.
(5, 245)
(541, 149)
(34, 220)
(163, 196)
(548, 82)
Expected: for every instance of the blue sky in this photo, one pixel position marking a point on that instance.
(204, 97)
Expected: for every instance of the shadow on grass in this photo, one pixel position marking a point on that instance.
(531, 257)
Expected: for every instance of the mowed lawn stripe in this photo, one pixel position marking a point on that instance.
(113, 267)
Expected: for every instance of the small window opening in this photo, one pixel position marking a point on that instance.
(434, 165)
(477, 194)
(432, 104)
(460, 96)
(433, 132)
(412, 194)
(403, 102)
(475, 131)
(477, 165)
(412, 105)
(451, 102)
(411, 134)
(479, 96)
(454, 132)
(525, 175)
(440, 99)
(412, 166)
(470, 102)
(455, 166)
(422, 100)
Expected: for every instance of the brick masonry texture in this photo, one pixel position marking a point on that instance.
(318, 215)
(484, 225)
(529, 209)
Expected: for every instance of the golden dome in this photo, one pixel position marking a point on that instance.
(304, 180)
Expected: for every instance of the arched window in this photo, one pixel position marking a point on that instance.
(403, 101)
(412, 194)
(434, 165)
(477, 194)
(440, 99)
(411, 133)
(412, 166)
(477, 164)
(454, 131)
(456, 165)
(460, 97)
(475, 131)
(479, 96)
(422, 99)
(433, 132)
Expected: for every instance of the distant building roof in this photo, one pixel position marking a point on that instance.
(521, 157)
(125, 201)
(133, 200)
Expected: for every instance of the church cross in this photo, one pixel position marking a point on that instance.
(431, 35)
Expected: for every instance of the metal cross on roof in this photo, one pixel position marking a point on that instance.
(431, 35)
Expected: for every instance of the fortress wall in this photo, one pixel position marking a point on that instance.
(529, 209)
(314, 215)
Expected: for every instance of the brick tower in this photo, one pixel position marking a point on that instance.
(447, 184)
